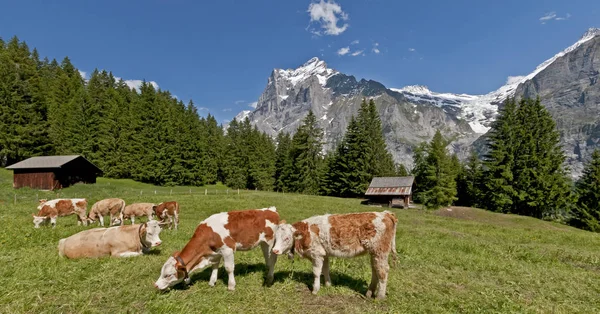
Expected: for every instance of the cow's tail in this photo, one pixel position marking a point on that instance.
(395, 224)
(121, 211)
(61, 247)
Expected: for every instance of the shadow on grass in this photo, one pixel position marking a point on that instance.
(153, 252)
(337, 279)
(241, 270)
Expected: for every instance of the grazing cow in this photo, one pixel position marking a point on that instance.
(348, 235)
(168, 211)
(119, 241)
(110, 206)
(60, 207)
(138, 210)
(219, 236)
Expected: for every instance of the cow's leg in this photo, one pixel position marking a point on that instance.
(101, 220)
(317, 263)
(374, 277)
(215, 272)
(270, 260)
(129, 254)
(79, 221)
(176, 220)
(383, 268)
(53, 221)
(326, 272)
(132, 220)
(171, 222)
(122, 219)
(229, 264)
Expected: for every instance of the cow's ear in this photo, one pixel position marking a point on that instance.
(298, 235)
(143, 227)
(282, 222)
(33, 215)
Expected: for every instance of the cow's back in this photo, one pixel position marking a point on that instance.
(109, 205)
(245, 228)
(137, 209)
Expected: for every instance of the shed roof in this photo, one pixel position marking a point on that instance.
(391, 186)
(40, 162)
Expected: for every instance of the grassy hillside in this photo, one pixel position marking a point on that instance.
(464, 260)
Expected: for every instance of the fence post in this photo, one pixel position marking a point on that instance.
(37, 198)
(238, 191)
(205, 191)
(227, 192)
(190, 191)
(154, 192)
(141, 192)
(15, 199)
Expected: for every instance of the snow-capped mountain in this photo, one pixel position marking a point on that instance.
(413, 113)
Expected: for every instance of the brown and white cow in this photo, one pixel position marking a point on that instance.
(219, 236)
(168, 212)
(60, 207)
(345, 235)
(110, 206)
(138, 210)
(119, 241)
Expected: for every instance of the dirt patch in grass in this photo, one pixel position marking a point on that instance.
(356, 303)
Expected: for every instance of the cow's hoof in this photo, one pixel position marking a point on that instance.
(369, 293)
(314, 292)
(231, 288)
(328, 284)
(380, 297)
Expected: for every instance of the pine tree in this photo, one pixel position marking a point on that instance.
(586, 214)
(498, 190)
(306, 156)
(468, 182)
(282, 160)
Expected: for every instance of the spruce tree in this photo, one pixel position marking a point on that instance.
(586, 214)
(438, 176)
(306, 156)
(468, 182)
(282, 161)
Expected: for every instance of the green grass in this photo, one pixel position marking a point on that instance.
(466, 260)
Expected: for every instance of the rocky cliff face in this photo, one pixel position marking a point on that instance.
(567, 84)
(569, 88)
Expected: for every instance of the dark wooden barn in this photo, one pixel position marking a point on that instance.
(391, 191)
(53, 172)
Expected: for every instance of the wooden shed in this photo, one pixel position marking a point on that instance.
(391, 190)
(53, 172)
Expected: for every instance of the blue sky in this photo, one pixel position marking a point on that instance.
(220, 53)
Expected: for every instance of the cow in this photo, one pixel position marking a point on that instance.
(345, 235)
(219, 236)
(60, 207)
(110, 206)
(168, 212)
(118, 241)
(138, 210)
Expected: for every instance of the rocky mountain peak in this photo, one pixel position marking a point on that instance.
(313, 67)
(590, 33)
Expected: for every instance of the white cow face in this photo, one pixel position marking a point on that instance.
(38, 220)
(284, 238)
(171, 274)
(152, 231)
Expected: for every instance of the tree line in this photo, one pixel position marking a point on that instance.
(47, 108)
(523, 171)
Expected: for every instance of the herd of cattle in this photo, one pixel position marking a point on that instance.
(220, 235)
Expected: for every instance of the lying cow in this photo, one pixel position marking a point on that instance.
(110, 206)
(119, 241)
(60, 207)
(319, 237)
(168, 212)
(138, 210)
(220, 235)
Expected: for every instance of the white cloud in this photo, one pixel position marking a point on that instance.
(355, 42)
(327, 14)
(548, 16)
(136, 84)
(343, 51)
(375, 49)
(237, 102)
(83, 74)
(356, 53)
(226, 109)
(253, 104)
(412, 49)
(202, 108)
(552, 16)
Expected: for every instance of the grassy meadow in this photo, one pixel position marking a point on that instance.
(463, 260)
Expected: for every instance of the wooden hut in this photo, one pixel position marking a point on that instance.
(391, 190)
(53, 172)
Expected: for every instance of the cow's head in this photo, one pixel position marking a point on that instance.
(149, 232)
(172, 273)
(42, 201)
(38, 220)
(285, 235)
